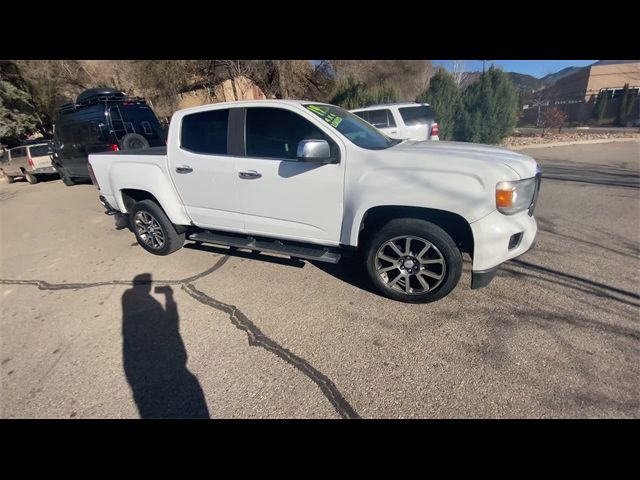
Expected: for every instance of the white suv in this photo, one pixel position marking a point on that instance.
(404, 121)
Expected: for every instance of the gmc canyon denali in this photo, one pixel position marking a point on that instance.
(311, 181)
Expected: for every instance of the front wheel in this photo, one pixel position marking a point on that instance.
(153, 229)
(413, 261)
(66, 179)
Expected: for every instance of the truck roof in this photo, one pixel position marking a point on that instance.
(239, 103)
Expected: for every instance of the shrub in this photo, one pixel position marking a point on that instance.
(351, 93)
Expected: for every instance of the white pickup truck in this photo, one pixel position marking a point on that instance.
(313, 181)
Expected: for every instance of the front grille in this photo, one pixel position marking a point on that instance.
(532, 207)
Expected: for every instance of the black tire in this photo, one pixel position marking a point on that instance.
(445, 260)
(31, 178)
(8, 178)
(172, 240)
(133, 141)
(66, 179)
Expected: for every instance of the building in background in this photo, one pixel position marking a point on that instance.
(576, 93)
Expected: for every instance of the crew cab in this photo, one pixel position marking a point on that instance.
(313, 181)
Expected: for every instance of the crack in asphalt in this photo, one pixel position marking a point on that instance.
(44, 285)
(259, 339)
(238, 319)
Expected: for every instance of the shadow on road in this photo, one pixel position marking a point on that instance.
(609, 175)
(154, 355)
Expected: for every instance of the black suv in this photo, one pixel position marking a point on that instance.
(101, 119)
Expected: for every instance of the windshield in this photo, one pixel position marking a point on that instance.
(353, 127)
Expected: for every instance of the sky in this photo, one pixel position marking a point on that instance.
(536, 68)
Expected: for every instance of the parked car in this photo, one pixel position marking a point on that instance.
(101, 119)
(28, 161)
(404, 121)
(313, 181)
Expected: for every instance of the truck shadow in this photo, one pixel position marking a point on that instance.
(234, 252)
(155, 357)
(349, 269)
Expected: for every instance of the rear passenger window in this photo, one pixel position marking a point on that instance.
(363, 115)
(205, 132)
(417, 115)
(18, 152)
(381, 118)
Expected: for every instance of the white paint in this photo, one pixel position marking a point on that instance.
(325, 203)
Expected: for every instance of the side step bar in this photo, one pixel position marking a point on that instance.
(309, 252)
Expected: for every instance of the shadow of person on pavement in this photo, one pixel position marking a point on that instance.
(154, 355)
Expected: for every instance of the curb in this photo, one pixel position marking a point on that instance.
(576, 142)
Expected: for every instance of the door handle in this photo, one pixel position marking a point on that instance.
(248, 174)
(184, 169)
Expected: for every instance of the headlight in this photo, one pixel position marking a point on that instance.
(516, 196)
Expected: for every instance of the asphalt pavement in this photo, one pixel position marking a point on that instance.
(93, 326)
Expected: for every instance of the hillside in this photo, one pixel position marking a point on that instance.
(521, 81)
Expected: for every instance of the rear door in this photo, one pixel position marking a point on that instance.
(40, 156)
(417, 121)
(203, 171)
(280, 196)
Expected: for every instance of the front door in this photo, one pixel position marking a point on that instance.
(280, 196)
(203, 172)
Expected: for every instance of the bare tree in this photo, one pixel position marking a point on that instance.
(458, 71)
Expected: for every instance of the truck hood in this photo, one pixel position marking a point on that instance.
(523, 165)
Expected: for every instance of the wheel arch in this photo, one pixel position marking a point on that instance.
(452, 223)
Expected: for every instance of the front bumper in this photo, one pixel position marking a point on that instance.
(492, 235)
(43, 170)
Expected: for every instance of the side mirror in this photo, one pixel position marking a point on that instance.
(317, 151)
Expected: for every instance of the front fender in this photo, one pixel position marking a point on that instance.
(464, 194)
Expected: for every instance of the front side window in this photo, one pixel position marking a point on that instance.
(356, 130)
(420, 115)
(276, 133)
(205, 132)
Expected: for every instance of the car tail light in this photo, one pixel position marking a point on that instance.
(31, 162)
(114, 147)
(92, 175)
(435, 130)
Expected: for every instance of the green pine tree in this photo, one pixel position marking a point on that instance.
(444, 98)
(489, 109)
(600, 108)
(626, 105)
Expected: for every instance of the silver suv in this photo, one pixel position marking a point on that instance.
(28, 161)
(404, 121)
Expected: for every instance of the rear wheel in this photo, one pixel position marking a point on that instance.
(153, 229)
(413, 261)
(31, 178)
